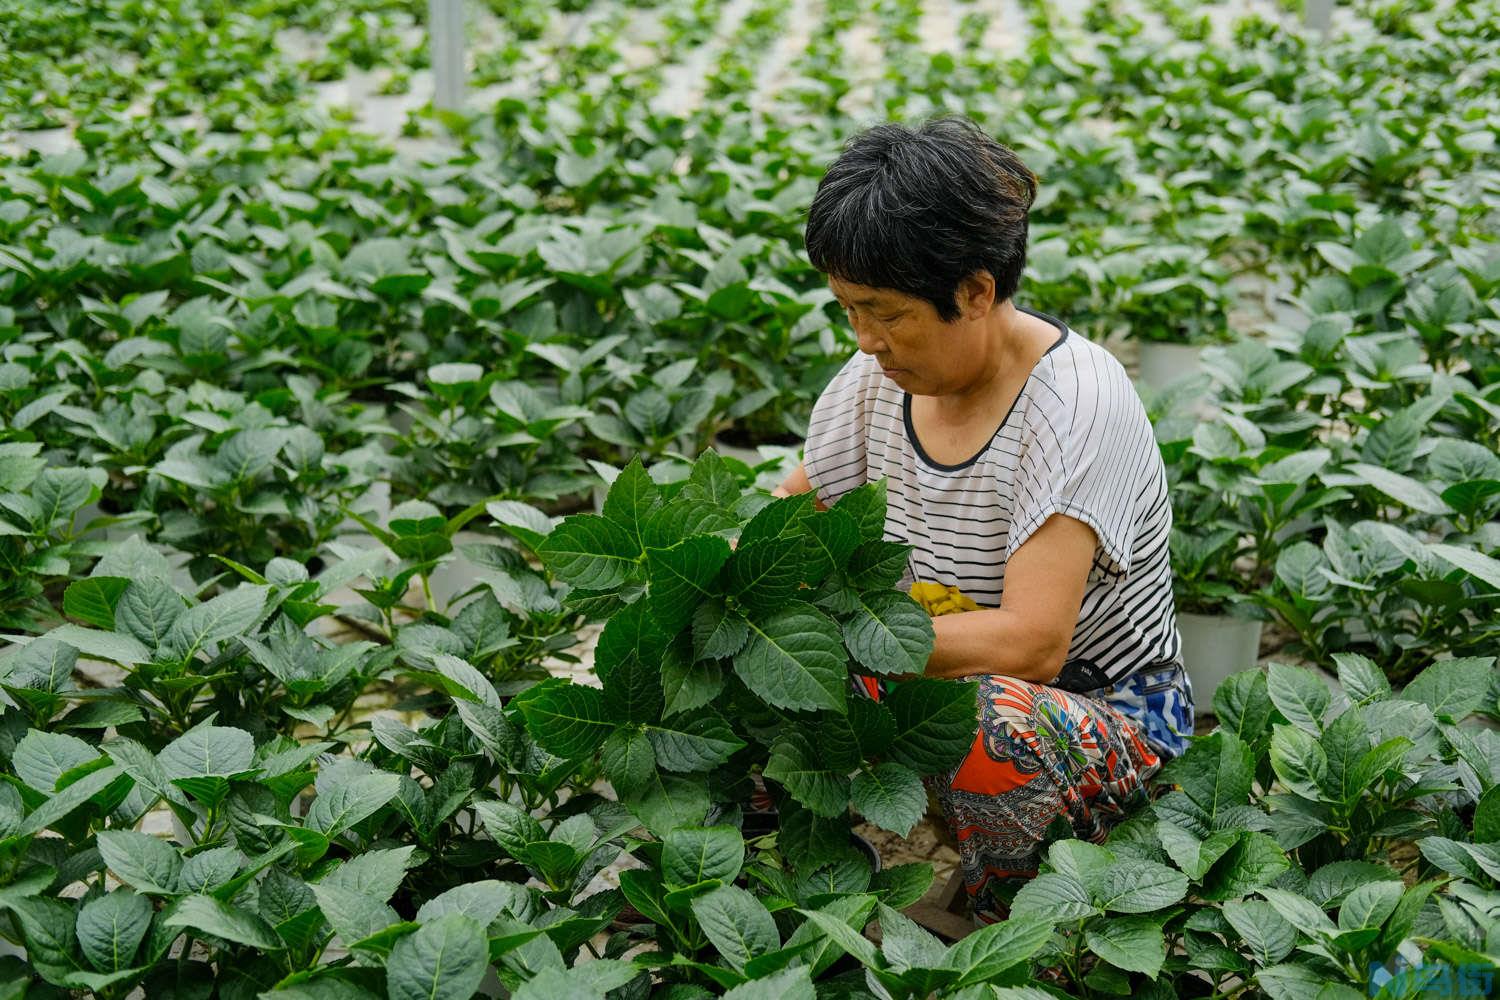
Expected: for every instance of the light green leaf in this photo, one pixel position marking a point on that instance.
(1454, 688)
(111, 928)
(737, 924)
(41, 758)
(1299, 695)
(1134, 885)
(1134, 944)
(351, 801)
(445, 959)
(207, 915)
(697, 854)
(230, 614)
(146, 863)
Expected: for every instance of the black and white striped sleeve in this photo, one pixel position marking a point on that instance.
(1084, 453)
(835, 455)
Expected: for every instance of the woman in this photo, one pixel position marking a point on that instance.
(1023, 470)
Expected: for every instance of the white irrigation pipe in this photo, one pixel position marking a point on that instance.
(1318, 15)
(445, 26)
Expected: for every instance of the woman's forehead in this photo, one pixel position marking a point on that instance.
(865, 295)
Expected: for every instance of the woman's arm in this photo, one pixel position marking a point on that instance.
(796, 483)
(1029, 634)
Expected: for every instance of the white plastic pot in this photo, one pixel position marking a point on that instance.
(1213, 647)
(1162, 364)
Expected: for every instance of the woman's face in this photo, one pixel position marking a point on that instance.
(915, 348)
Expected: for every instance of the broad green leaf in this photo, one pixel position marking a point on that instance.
(878, 565)
(512, 827)
(795, 659)
(1455, 688)
(445, 959)
(207, 915)
(1403, 489)
(41, 758)
(223, 617)
(683, 577)
(936, 722)
(211, 869)
(114, 646)
(687, 685)
(782, 518)
(72, 797)
(93, 600)
(628, 762)
(718, 632)
(377, 874)
(143, 862)
(763, 575)
(148, 609)
(900, 886)
(847, 938)
(1299, 695)
(796, 763)
(1369, 905)
(350, 802)
(1472, 562)
(1299, 761)
(866, 506)
(832, 536)
(788, 984)
(565, 719)
(1190, 853)
(697, 854)
(712, 481)
(208, 751)
(1361, 679)
(906, 945)
(1291, 981)
(40, 665)
(1134, 885)
(483, 901)
(693, 744)
(669, 802)
(1254, 861)
(631, 501)
(1300, 912)
(1134, 944)
(737, 924)
(1053, 896)
(590, 552)
(991, 950)
(111, 928)
(889, 634)
(1265, 932)
(891, 796)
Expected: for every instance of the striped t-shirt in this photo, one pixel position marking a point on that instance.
(1077, 441)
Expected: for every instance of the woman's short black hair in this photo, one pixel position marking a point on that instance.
(918, 210)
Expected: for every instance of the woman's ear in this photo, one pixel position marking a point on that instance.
(976, 295)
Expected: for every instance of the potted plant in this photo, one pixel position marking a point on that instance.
(1179, 305)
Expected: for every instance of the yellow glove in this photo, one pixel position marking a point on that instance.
(938, 599)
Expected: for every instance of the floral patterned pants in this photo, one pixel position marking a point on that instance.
(1039, 753)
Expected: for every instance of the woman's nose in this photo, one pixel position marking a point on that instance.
(868, 342)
